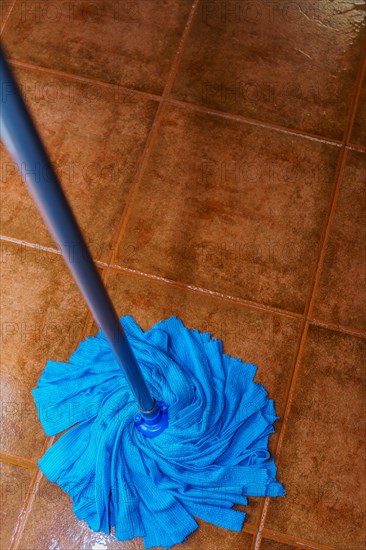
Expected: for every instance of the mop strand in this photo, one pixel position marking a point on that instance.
(213, 454)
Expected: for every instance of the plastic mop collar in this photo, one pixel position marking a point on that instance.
(195, 444)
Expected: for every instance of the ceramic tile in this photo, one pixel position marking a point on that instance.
(341, 294)
(128, 43)
(42, 314)
(359, 126)
(95, 137)
(289, 63)
(260, 338)
(52, 524)
(4, 7)
(323, 457)
(231, 207)
(269, 544)
(211, 537)
(15, 482)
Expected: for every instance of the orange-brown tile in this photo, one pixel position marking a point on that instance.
(322, 463)
(15, 482)
(359, 127)
(231, 207)
(341, 296)
(127, 43)
(210, 537)
(257, 337)
(288, 63)
(52, 524)
(4, 8)
(269, 544)
(95, 137)
(42, 315)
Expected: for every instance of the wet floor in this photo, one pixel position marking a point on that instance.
(215, 155)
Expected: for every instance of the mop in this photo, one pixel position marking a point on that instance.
(161, 427)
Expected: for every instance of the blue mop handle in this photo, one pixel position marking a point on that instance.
(25, 146)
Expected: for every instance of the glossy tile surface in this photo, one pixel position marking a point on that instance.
(53, 525)
(263, 339)
(341, 296)
(231, 207)
(288, 63)
(128, 43)
(42, 314)
(322, 462)
(359, 128)
(95, 137)
(224, 203)
(15, 482)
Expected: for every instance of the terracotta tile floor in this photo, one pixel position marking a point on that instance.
(215, 154)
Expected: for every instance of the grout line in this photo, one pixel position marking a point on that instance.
(326, 227)
(18, 461)
(212, 293)
(84, 79)
(323, 244)
(268, 533)
(254, 122)
(27, 244)
(257, 521)
(89, 322)
(47, 444)
(181, 49)
(252, 545)
(352, 331)
(291, 541)
(357, 148)
(7, 17)
(355, 99)
(24, 513)
(249, 528)
(288, 393)
(40, 247)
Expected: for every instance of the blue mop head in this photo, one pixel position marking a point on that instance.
(212, 455)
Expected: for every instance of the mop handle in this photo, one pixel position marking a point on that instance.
(24, 144)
